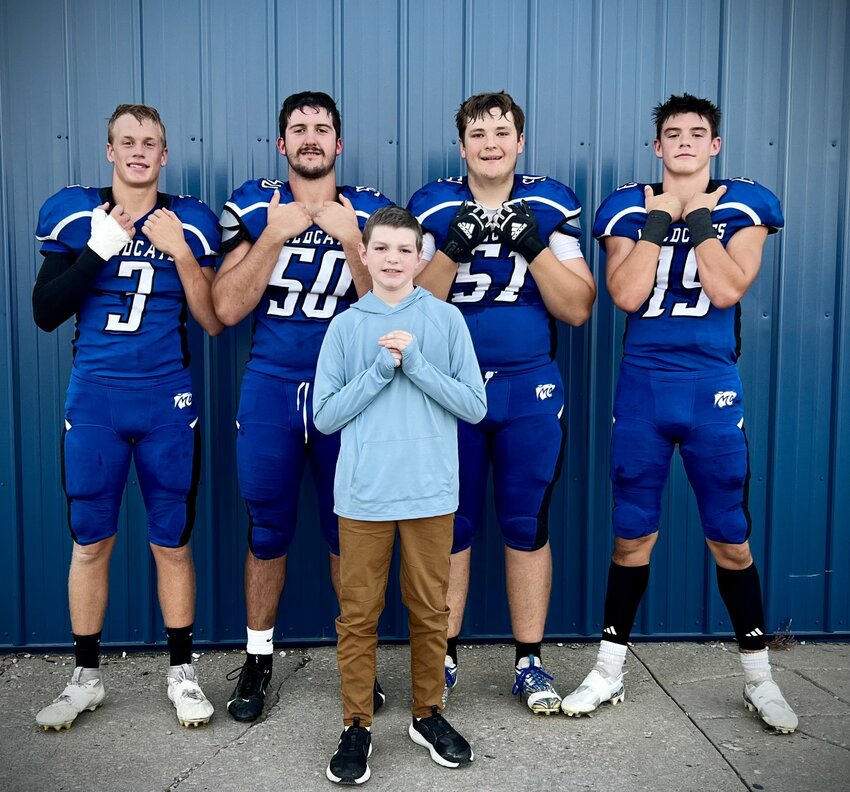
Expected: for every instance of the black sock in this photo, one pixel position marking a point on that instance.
(626, 586)
(180, 644)
(741, 593)
(451, 648)
(87, 649)
(526, 649)
(262, 660)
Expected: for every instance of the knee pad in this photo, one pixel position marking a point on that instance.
(168, 462)
(464, 531)
(95, 463)
(526, 534)
(717, 463)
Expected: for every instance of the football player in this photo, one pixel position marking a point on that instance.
(292, 262)
(126, 260)
(680, 255)
(503, 247)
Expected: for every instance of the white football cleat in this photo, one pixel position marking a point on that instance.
(595, 689)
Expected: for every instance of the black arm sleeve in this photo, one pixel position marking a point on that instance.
(62, 284)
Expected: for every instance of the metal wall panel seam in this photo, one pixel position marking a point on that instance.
(12, 497)
(776, 323)
(402, 105)
(839, 425)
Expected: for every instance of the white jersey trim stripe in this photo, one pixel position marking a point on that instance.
(208, 251)
(616, 218)
(54, 234)
(568, 213)
(437, 208)
(239, 212)
(747, 210)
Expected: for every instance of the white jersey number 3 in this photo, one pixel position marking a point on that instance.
(132, 321)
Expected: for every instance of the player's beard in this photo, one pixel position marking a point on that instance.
(317, 170)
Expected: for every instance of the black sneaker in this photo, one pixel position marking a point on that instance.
(446, 746)
(246, 701)
(349, 764)
(378, 697)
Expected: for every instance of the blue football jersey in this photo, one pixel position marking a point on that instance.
(309, 285)
(677, 328)
(496, 277)
(133, 323)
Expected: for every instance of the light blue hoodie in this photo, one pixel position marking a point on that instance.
(398, 458)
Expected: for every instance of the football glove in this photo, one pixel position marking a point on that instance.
(517, 228)
(467, 229)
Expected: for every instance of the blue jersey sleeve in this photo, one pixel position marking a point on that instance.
(746, 203)
(366, 201)
(622, 213)
(555, 206)
(435, 204)
(64, 222)
(244, 214)
(200, 228)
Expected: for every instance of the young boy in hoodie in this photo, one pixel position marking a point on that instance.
(395, 372)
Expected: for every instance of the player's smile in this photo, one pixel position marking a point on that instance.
(491, 146)
(136, 150)
(310, 144)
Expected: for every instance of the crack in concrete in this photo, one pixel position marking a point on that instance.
(691, 719)
(235, 740)
(826, 740)
(820, 686)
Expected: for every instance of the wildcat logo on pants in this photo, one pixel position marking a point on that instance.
(725, 398)
(182, 400)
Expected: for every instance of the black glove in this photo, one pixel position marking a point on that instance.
(517, 228)
(467, 229)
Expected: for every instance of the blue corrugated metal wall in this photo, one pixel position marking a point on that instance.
(587, 73)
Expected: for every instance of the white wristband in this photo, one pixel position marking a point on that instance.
(107, 236)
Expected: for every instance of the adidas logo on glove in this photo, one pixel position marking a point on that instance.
(517, 229)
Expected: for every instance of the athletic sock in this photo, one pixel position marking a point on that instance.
(180, 644)
(756, 666)
(741, 593)
(87, 649)
(626, 586)
(451, 648)
(260, 642)
(523, 650)
(611, 658)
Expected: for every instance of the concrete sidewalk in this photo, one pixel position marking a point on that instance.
(682, 726)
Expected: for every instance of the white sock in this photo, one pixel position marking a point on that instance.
(261, 642)
(611, 658)
(368, 728)
(756, 666)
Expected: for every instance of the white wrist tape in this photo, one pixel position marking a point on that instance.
(107, 237)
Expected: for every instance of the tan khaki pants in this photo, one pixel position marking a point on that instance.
(366, 550)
